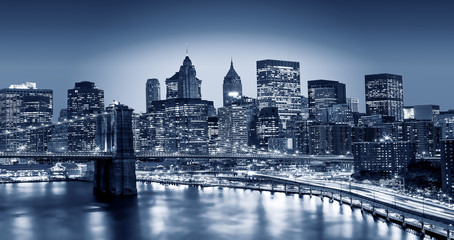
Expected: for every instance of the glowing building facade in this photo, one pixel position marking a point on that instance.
(278, 85)
(23, 108)
(84, 101)
(384, 96)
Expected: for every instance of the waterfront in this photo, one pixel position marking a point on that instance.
(68, 210)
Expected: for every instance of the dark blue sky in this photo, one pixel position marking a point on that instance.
(119, 44)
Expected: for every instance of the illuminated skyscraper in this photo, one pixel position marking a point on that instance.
(353, 104)
(278, 85)
(184, 83)
(384, 95)
(23, 106)
(232, 88)
(84, 100)
(235, 122)
(181, 121)
(324, 93)
(153, 92)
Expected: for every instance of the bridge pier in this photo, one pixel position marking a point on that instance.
(116, 176)
(404, 224)
(448, 234)
(387, 215)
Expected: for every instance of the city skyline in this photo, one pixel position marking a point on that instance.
(88, 43)
(315, 120)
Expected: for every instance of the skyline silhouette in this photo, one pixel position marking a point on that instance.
(119, 45)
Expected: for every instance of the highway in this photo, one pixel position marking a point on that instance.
(428, 208)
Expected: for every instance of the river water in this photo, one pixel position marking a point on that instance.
(68, 210)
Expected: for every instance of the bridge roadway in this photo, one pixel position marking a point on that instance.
(153, 156)
(421, 209)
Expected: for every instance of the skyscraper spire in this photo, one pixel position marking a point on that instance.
(187, 49)
(231, 62)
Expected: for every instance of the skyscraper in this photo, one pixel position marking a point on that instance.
(232, 88)
(23, 106)
(353, 104)
(83, 100)
(337, 94)
(235, 123)
(153, 92)
(268, 126)
(384, 95)
(181, 121)
(278, 85)
(184, 83)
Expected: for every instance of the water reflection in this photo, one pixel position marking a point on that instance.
(68, 210)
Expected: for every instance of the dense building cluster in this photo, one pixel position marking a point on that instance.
(385, 139)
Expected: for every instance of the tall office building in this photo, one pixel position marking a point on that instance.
(232, 88)
(181, 121)
(84, 100)
(213, 135)
(353, 104)
(304, 107)
(278, 85)
(235, 122)
(326, 91)
(268, 126)
(184, 83)
(152, 91)
(184, 124)
(23, 106)
(384, 95)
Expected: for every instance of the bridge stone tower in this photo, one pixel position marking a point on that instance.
(116, 176)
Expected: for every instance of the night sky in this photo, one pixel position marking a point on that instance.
(120, 44)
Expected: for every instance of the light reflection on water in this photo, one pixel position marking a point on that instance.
(68, 210)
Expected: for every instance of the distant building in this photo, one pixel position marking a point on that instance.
(278, 85)
(325, 97)
(426, 136)
(84, 101)
(235, 122)
(232, 88)
(426, 112)
(59, 140)
(386, 157)
(340, 114)
(183, 126)
(144, 133)
(384, 95)
(24, 107)
(152, 91)
(184, 83)
(353, 104)
(304, 107)
(447, 165)
(268, 126)
(330, 139)
(409, 113)
(213, 135)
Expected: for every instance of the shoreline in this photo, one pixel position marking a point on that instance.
(415, 227)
